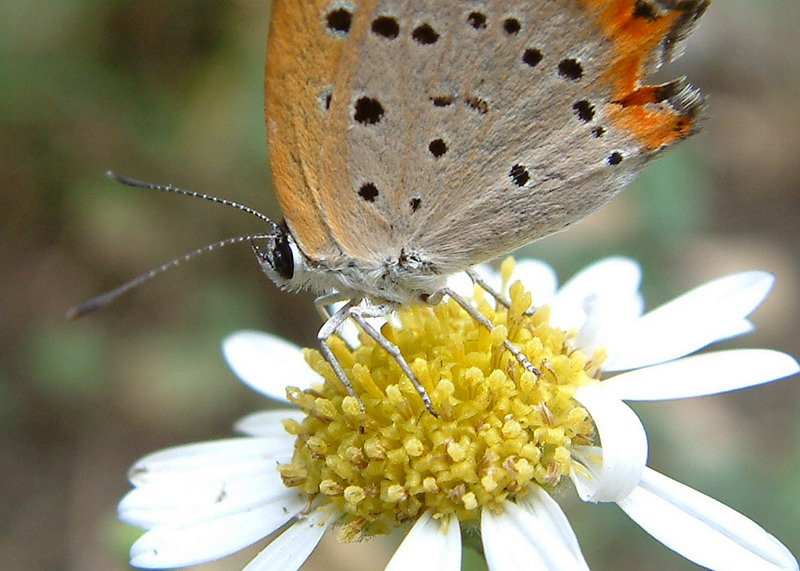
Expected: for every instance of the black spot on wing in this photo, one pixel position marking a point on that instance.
(368, 192)
(645, 10)
(477, 104)
(532, 56)
(584, 110)
(442, 100)
(425, 35)
(570, 68)
(519, 175)
(386, 27)
(368, 111)
(325, 99)
(511, 26)
(477, 20)
(338, 21)
(437, 147)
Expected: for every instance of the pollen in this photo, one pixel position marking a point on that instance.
(500, 430)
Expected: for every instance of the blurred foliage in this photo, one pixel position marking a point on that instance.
(172, 92)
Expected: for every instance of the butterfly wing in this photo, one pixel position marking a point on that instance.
(553, 124)
(301, 66)
(456, 131)
(312, 54)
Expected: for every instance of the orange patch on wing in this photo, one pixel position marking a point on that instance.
(642, 96)
(653, 127)
(302, 60)
(635, 41)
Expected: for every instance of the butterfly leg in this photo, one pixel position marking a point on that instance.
(330, 327)
(322, 304)
(499, 297)
(359, 314)
(480, 282)
(323, 301)
(482, 320)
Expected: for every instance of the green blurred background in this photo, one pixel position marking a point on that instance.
(172, 92)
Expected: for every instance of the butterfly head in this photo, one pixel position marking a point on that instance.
(282, 260)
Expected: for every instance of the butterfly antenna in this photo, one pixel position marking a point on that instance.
(128, 181)
(104, 299)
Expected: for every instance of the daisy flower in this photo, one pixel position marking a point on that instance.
(505, 441)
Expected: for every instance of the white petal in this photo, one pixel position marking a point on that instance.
(644, 344)
(616, 277)
(542, 506)
(167, 546)
(709, 313)
(702, 529)
(538, 278)
(189, 501)
(268, 363)
(267, 423)
(624, 447)
(608, 314)
(431, 545)
(291, 548)
(699, 375)
(461, 284)
(517, 538)
(212, 461)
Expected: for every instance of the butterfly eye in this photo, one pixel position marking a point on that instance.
(282, 259)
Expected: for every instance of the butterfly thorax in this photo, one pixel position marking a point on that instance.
(401, 279)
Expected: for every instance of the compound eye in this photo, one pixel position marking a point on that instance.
(282, 258)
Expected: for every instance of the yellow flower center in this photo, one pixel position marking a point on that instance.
(500, 428)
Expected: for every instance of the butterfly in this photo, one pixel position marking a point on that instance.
(410, 140)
